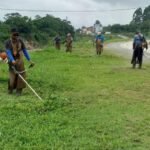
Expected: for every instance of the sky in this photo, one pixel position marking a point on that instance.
(78, 19)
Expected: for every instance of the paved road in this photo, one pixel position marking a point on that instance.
(125, 49)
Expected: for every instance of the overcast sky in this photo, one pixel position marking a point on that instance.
(78, 19)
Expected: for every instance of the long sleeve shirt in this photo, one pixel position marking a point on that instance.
(9, 51)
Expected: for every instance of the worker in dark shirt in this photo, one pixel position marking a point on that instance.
(57, 41)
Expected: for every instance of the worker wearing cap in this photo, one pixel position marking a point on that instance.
(68, 42)
(15, 49)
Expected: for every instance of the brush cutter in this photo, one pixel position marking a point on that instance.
(19, 74)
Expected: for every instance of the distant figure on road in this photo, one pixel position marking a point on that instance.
(68, 42)
(137, 57)
(99, 43)
(57, 41)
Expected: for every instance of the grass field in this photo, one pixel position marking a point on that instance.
(89, 102)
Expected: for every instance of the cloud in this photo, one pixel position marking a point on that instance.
(78, 19)
(124, 3)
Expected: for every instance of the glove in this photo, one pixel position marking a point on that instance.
(14, 63)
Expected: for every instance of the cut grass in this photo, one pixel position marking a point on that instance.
(90, 102)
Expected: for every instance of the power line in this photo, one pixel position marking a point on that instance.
(68, 11)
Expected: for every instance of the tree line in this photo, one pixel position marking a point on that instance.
(140, 23)
(38, 30)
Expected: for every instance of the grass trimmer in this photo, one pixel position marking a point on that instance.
(29, 86)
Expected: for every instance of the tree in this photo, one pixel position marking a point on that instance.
(22, 23)
(38, 30)
(137, 17)
(146, 14)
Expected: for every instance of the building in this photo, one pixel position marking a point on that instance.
(97, 27)
(87, 30)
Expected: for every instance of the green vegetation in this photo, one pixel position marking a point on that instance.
(140, 22)
(90, 102)
(37, 31)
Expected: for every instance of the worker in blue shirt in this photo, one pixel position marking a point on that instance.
(137, 57)
(99, 43)
(100, 36)
(15, 49)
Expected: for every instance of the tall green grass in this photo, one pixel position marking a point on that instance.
(89, 102)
